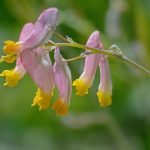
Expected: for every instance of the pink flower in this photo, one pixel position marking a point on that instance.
(91, 63)
(43, 29)
(30, 56)
(14, 76)
(105, 88)
(63, 81)
(40, 34)
(39, 66)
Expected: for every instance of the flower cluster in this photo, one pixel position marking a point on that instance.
(92, 61)
(32, 58)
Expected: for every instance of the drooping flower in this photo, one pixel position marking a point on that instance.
(33, 58)
(43, 29)
(105, 88)
(86, 79)
(14, 76)
(41, 32)
(39, 66)
(30, 55)
(91, 63)
(63, 82)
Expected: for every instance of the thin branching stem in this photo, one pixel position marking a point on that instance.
(110, 53)
(76, 58)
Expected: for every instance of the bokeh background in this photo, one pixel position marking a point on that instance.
(123, 126)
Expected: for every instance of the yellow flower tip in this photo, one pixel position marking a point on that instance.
(42, 99)
(8, 58)
(11, 47)
(12, 77)
(60, 107)
(81, 87)
(104, 98)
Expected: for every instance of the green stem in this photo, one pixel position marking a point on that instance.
(134, 64)
(109, 53)
(75, 58)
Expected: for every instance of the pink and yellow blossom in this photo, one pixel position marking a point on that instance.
(85, 81)
(30, 58)
(63, 82)
(105, 88)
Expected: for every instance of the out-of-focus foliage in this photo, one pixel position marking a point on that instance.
(126, 124)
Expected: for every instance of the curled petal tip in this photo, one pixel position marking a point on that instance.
(52, 10)
(26, 31)
(43, 29)
(11, 47)
(96, 33)
(94, 40)
(49, 16)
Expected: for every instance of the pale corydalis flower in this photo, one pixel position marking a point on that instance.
(39, 66)
(91, 63)
(105, 88)
(32, 59)
(41, 32)
(43, 29)
(14, 76)
(63, 82)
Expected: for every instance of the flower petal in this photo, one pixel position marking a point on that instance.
(105, 88)
(91, 63)
(39, 68)
(63, 81)
(26, 31)
(43, 29)
(14, 76)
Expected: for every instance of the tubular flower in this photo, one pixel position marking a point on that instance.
(43, 29)
(39, 66)
(91, 62)
(31, 58)
(63, 82)
(14, 76)
(41, 32)
(40, 69)
(105, 88)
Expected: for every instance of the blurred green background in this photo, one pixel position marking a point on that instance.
(123, 126)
